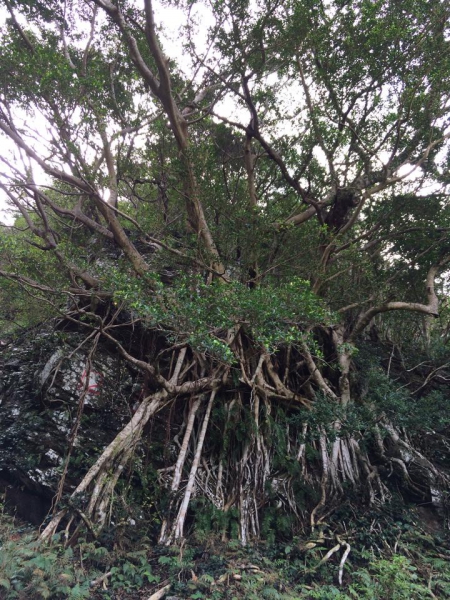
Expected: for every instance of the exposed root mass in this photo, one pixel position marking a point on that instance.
(254, 448)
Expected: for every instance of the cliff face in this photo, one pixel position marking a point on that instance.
(54, 400)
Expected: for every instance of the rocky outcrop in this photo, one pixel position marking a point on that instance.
(50, 388)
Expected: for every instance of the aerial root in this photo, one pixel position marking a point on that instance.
(160, 593)
(178, 527)
(343, 559)
(338, 462)
(341, 544)
(104, 473)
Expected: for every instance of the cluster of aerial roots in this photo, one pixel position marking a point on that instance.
(233, 463)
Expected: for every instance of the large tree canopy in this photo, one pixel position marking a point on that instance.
(257, 206)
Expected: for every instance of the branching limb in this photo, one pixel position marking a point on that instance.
(432, 308)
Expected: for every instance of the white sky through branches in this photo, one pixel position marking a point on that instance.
(174, 34)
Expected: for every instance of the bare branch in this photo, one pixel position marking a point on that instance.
(432, 308)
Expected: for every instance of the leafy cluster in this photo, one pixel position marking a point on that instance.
(198, 313)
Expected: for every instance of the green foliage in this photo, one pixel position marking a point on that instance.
(395, 401)
(133, 572)
(21, 308)
(376, 72)
(275, 525)
(327, 592)
(221, 571)
(199, 313)
(31, 570)
(285, 222)
(210, 522)
(35, 571)
(395, 578)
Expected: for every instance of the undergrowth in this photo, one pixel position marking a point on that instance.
(392, 556)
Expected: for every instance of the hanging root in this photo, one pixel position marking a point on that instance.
(164, 536)
(343, 559)
(177, 531)
(160, 593)
(323, 482)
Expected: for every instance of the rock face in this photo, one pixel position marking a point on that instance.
(53, 395)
